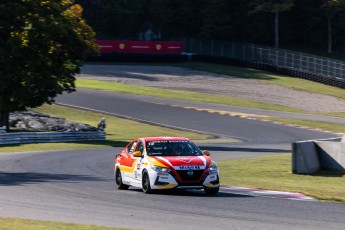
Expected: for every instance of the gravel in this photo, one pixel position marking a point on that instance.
(169, 77)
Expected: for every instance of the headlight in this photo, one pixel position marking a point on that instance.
(160, 169)
(213, 168)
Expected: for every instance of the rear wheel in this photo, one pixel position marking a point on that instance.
(211, 191)
(146, 183)
(118, 180)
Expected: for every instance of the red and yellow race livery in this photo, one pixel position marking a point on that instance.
(154, 163)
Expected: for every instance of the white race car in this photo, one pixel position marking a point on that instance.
(154, 163)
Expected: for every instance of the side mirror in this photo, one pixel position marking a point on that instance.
(137, 154)
(206, 153)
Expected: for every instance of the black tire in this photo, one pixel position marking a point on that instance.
(118, 180)
(146, 183)
(211, 191)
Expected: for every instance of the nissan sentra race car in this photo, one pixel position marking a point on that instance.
(160, 163)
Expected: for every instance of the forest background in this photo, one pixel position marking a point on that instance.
(315, 26)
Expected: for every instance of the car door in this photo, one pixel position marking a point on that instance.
(138, 161)
(127, 160)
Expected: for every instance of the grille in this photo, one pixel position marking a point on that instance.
(187, 178)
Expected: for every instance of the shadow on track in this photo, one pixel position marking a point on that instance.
(33, 178)
(191, 192)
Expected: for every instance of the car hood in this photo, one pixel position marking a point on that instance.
(182, 162)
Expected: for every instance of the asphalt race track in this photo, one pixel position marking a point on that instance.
(131, 106)
(78, 186)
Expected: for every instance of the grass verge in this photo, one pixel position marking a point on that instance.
(274, 173)
(119, 131)
(23, 224)
(181, 95)
(325, 126)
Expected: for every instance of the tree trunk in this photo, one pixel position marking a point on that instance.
(276, 30)
(329, 34)
(4, 118)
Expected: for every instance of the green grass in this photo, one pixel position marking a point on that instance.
(336, 114)
(180, 95)
(274, 173)
(23, 224)
(119, 131)
(326, 126)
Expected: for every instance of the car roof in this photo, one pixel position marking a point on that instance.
(164, 138)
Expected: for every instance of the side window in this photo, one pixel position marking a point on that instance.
(140, 147)
(131, 147)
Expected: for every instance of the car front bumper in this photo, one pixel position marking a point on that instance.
(169, 181)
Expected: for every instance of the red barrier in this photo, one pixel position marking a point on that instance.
(108, 46)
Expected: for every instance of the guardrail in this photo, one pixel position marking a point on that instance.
(3, 129)
(267, 55)
(297, 64)
(44, 137)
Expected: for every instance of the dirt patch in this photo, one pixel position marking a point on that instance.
(169, 77)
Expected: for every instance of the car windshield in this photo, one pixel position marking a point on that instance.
(172, 148)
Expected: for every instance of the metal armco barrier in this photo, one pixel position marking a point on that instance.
(296, 64)
(327, 80)
(44, 137)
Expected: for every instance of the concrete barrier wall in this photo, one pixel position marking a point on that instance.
(304, 157)
(42, 137)
(310, 156)
(331, 155)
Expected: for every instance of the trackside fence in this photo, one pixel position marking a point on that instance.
(44, 137)
(297, 64)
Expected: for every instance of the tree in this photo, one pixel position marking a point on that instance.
(120, 19)
(331, 8)
(276, 7)
(183, 18)
(220, 26)
(226, 19)
(42, 46)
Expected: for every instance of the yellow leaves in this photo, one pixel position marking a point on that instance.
(81, 28)
(51, 50)
(77, 10)
(66, 2)
(74, 11)
(43, 3)
(22, 36)
(39, 20)
(25, 42)
(15, 34)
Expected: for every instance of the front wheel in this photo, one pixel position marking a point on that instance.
(146, 183)
(211, 191)
(118, 179)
